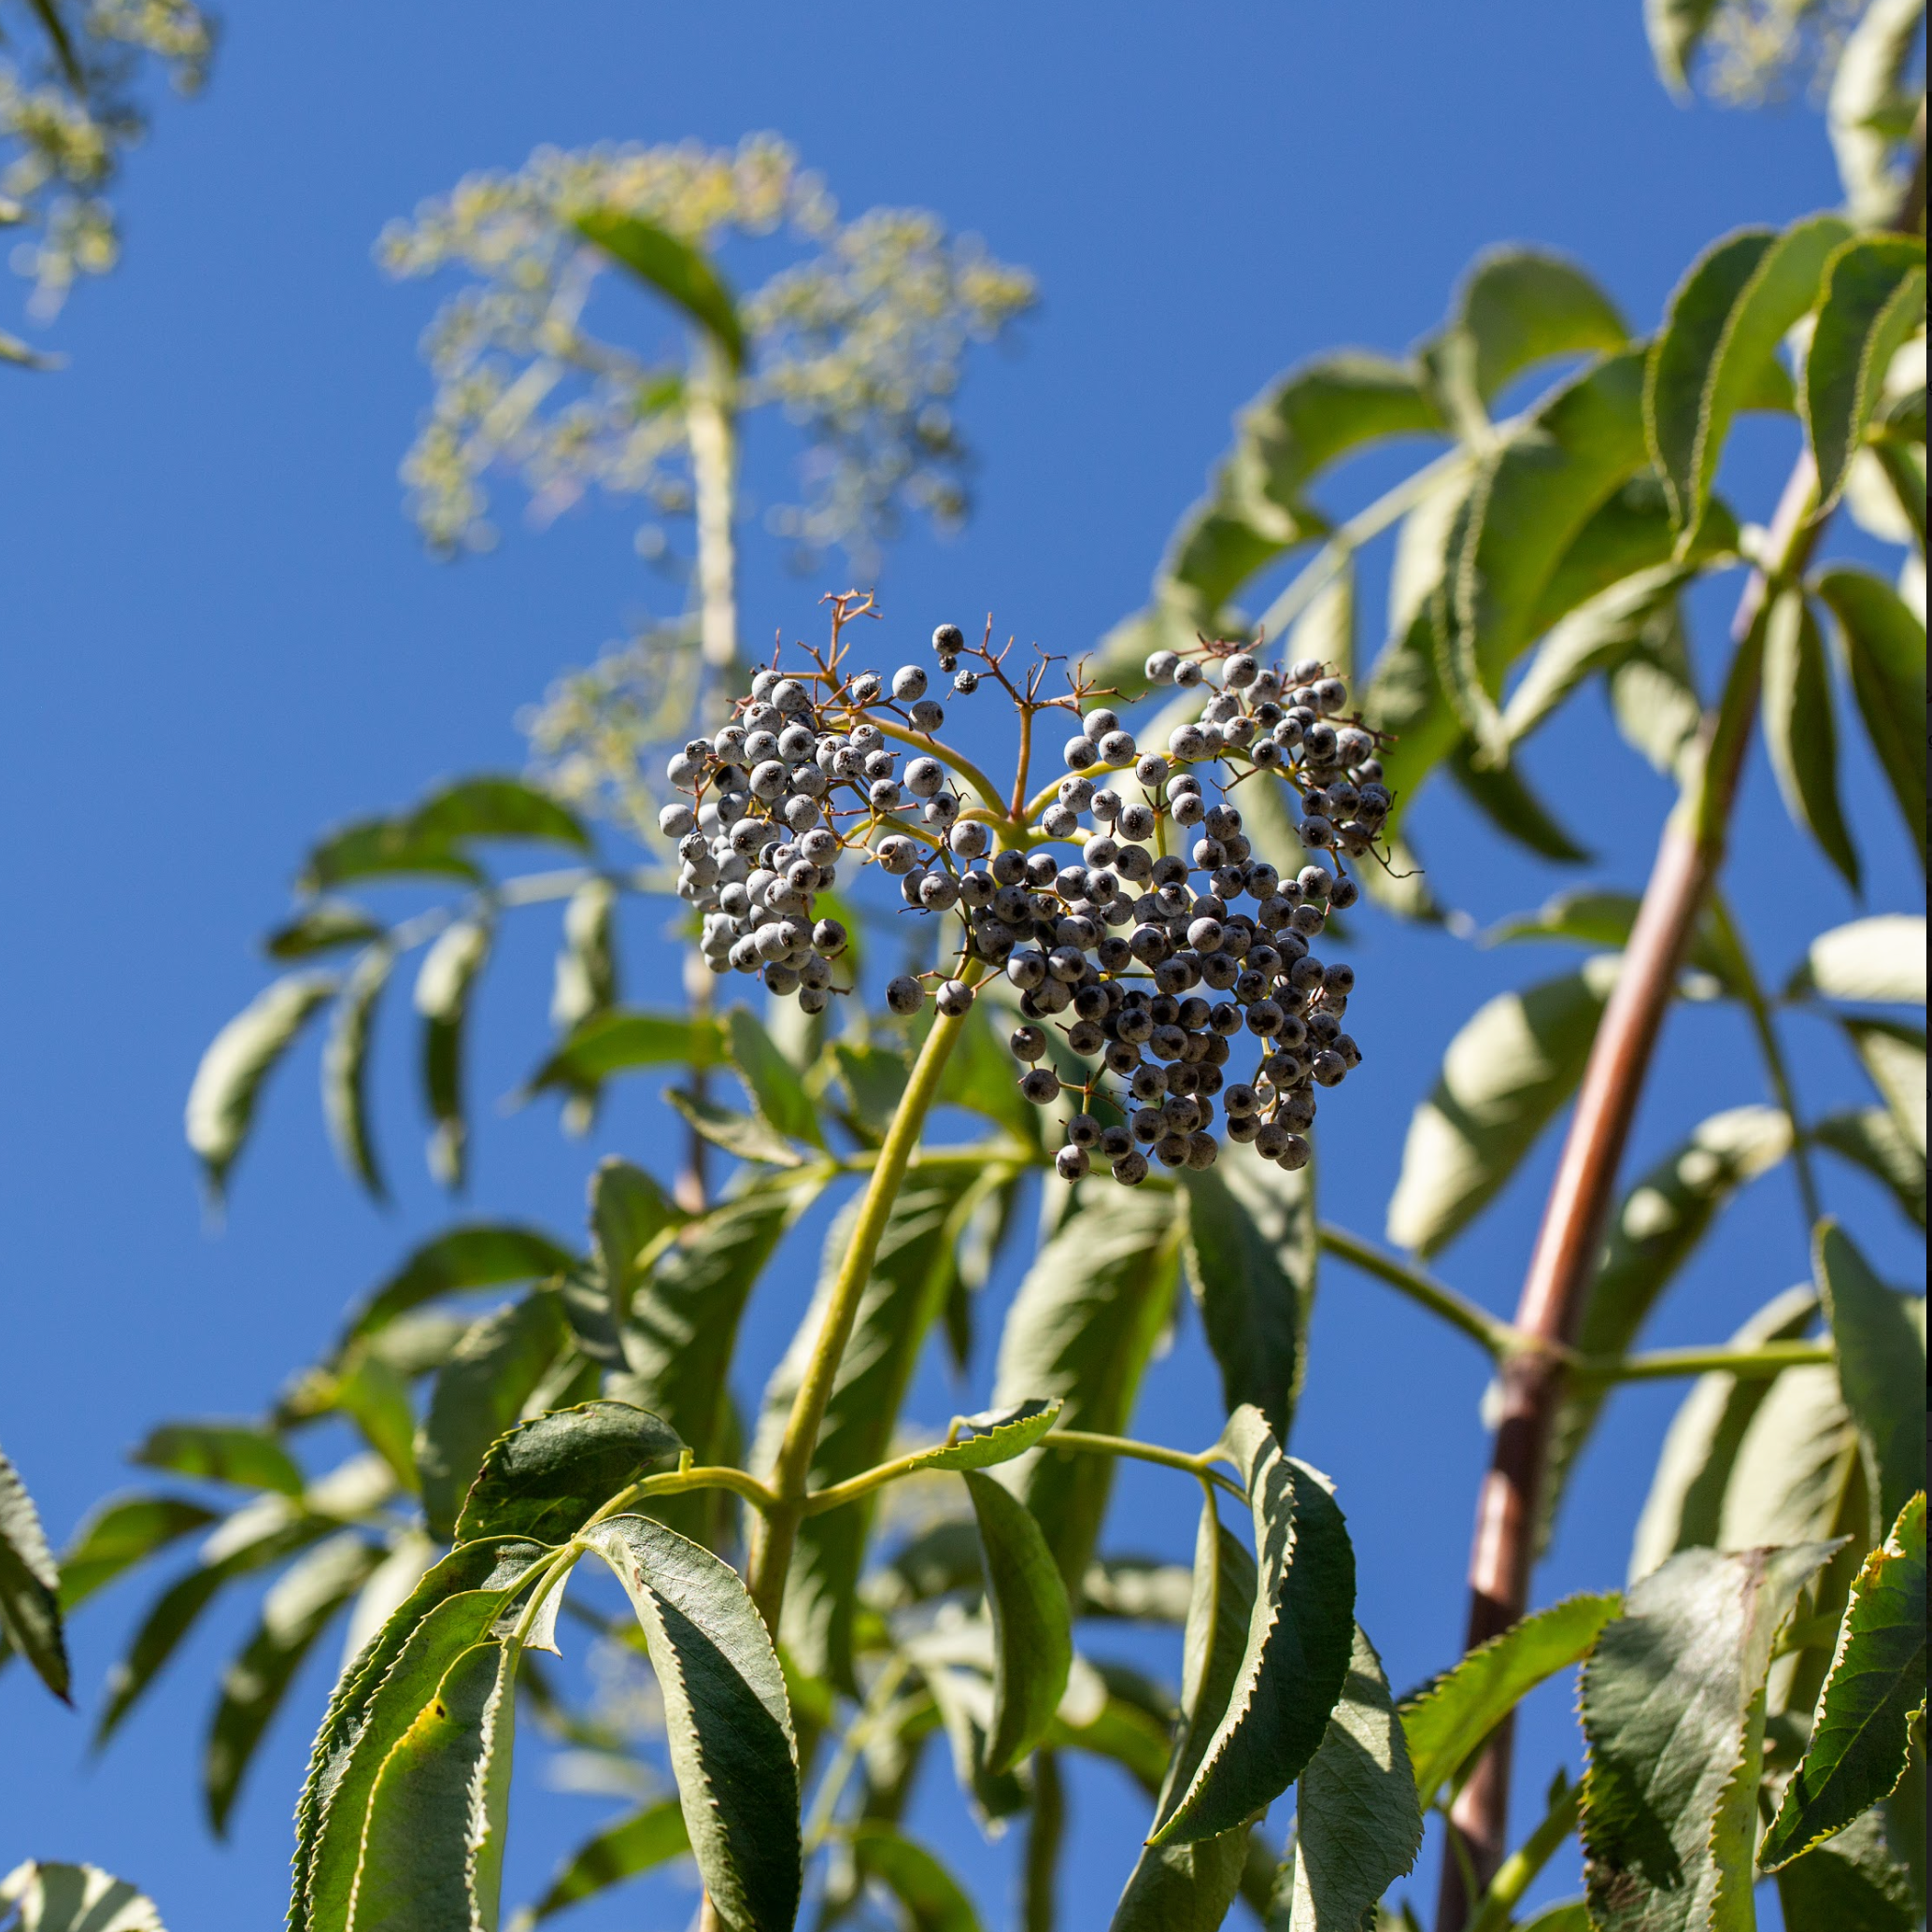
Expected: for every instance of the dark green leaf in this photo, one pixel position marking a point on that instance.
(346, 1069)
(222, 1452)
(1188, 1886)
(497, 808)
(477, 1255)
(1657, 1228)
(54, 1897)
(612, 1043)
(1250, 1257)
(1503, 796)
(433, 1843)
(1357, 1824)
(1677, 30)
(932, 1896)
(1673, 1711)
(1880, 1338)
(1874, 301)
(1871, 1138)
(1448, 1720)
(453, 1606)
(1799, 731)
(1513, 1064)
(674, 268)
(727, 1717)
(1885, 648)
(1032, 1627)
(626, 1850)
(1300, 1641)
(546, 1477)
(1684, 1509)
(296, 1611)
(629, 1210)
(320, 928)
(1083, 1328)
(228, 1082)
(443, 988)
(1853, 1882)
(1860, 1738)
(122, 1534)
(1878, 961)
(30, 1583)
(1719, 344)
(912, 1274)
(776, 1091)
(478, 1394)
(743, 1135)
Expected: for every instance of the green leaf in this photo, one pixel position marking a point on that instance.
(453, 1606)
(1655, 700)
(382, 848)
(776, 1091)
(587, 968)
(1719, 347)
(1503, 796)
(497, 808)
(1032, 1626)
(727, 1717)
(1894, 1056)
(629, 1212)
(433, 1845)
(1448, 1721)
(1884, 642)
(911, 1277)
(54, 1897)
(932, 1899)
(1799, 732)
(626, 1850)
(296, 1611)
(479, 1392)
(1677, 30)
(613, 1043)
(1685, 1508)
(222, 1452)
(1512, 1065)
(1871, 104)
(1880, 961)
(1657, 1228)
(678, 271)
(1871, 1138)
(119, 1533)
(1853, 1882)
(683, 1327)
(321, 928)
(1881, 1339)
(472, 1255)
(375, 1395)
(742, 1135)
(1874, 302)
(443, 988)
(1673, 1711)
(1188, 1886)
(1357, 1823)
(1083, 1328)
(546, 1477)
(1300, 1641)
(30, 1583)
(228, 1082)
(1530, 499)
(1251, 1256)
(345, 1068)
(1860, 1738)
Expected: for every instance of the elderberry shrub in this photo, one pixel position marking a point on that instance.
(1157, 950)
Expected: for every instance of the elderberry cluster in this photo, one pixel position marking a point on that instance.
(1138, 963)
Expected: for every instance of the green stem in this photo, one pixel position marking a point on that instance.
(932, 748)
(1494, 1335)
(677, 1482)
(1776, 1069)
(1664, 1363)
(776, 1532)
(1514, 1875)
(1086, 1443)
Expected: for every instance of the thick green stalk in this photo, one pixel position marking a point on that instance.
(775, 1534)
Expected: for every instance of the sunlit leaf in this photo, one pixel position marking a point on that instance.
(613, 1043)
(345, 1068)
(1799, 729)
(1893, 1056)
(443, 988)
(742, 1135)
(678, 271)
(119, 1533)
(629, 1212)
(727, 1718)
(30, 1585)
(49, 1897)
(586, 979)
(1874, 302)
(228, 1082)
(545, 1477)
(1033, 1630)
(474, 1255)
(321, 928)
(932, 1899)
(222, 1452)
(1871, 1138)
(1879, 960)
(1673, 1712)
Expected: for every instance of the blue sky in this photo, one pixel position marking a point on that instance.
(221, 635)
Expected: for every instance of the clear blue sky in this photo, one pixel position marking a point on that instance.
(221, 635)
